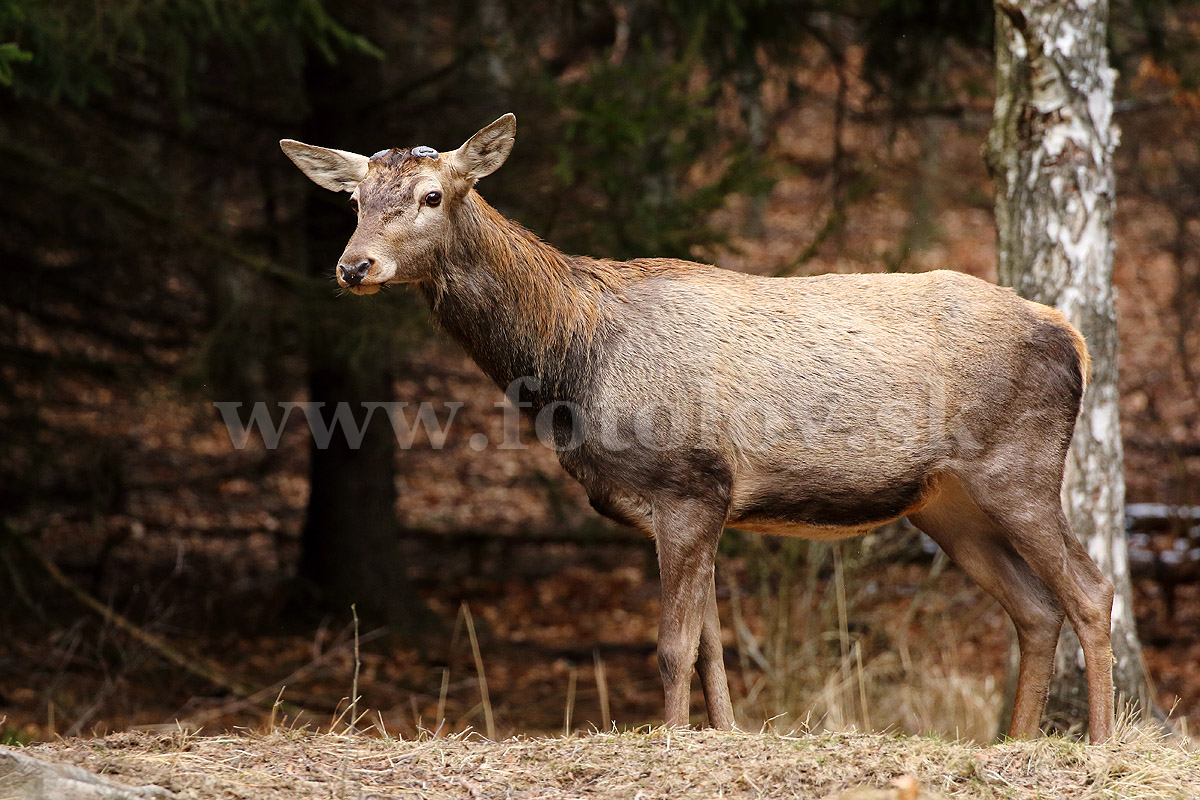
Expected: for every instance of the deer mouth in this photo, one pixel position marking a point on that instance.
(365, 288)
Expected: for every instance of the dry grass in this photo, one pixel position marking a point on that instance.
(646, 764)
(817, 657)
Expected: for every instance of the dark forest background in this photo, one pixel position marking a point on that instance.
(160, 254)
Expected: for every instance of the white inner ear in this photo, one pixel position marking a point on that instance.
(336, 170)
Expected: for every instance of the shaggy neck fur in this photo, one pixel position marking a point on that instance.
(520, 307)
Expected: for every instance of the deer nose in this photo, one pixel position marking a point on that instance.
(354, 275)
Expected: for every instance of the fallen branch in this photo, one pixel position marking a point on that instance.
(194, 665)
(267, 697)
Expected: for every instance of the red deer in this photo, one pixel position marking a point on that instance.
(701, 398)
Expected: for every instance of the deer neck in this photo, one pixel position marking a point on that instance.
(520, 307)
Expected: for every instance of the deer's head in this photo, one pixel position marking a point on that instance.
(405, 198)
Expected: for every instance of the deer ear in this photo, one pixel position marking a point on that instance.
(484, 152)
(335, 170)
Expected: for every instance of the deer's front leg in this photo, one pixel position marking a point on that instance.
(686, 534)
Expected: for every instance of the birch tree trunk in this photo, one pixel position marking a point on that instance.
(1050, 155)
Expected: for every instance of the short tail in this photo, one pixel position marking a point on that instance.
(1085, 358)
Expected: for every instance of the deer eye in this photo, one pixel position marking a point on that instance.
(432, 199)
(354, 203)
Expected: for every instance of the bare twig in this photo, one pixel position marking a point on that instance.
(357, 664)
(441, 707)
(570, 709)
(485, 701)
(262, 695)
(602, 688)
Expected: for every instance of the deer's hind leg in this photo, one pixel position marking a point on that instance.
(978, 544)
(711, 666)
(1030, 514)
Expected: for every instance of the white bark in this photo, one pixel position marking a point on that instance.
(1050, 154)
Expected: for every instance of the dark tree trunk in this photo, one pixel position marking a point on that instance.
(1050, 154)
(351, 537)
(350, 544)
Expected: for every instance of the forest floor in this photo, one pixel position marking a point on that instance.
(651, 763)
(565, 641)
